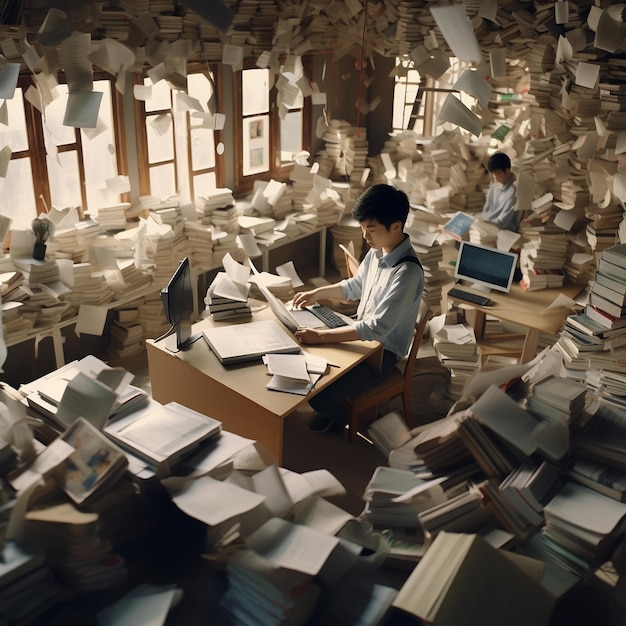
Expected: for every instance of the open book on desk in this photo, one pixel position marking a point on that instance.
(239, 343)
(163, 434)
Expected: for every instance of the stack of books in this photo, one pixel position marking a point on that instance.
(27, 585)
(200, 243)
(558, 398)
(79, 556)
(226, 299)
(113, 217)
(127, 334)
(585, 522)
(607, 298)
(458, 351)
(394, 498)
(219, 198)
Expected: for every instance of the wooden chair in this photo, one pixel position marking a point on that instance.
(365, 404)
(352, 263)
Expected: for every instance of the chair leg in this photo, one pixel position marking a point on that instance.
(355, 417)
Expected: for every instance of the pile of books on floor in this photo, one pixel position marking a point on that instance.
(457, 350)
(127, 334)
(593, 343)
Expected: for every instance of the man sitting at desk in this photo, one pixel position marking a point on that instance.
(389, 285)
(501, 199)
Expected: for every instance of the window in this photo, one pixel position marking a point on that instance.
(179, 145)
(271, 122)
(56, 165)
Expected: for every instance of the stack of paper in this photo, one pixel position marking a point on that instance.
(294, 373)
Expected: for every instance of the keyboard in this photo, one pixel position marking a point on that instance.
(327, 315)
(473, 298)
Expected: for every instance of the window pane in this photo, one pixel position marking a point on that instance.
(290, 135)
(160, 136)
(64, 179)
(14, 135)
(256, 145)
(255, 91)
(18, 187)
(99, 154)
(202, 149)
(161, 96)
(55, 112)
(203, 184)
(200, 87)
(163, 181)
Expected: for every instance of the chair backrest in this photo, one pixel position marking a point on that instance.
(420, 328)
(352, 263)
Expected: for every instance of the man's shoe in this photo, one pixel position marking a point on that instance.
(320, 423)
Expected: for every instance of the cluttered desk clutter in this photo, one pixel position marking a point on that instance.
(507, 508)
(159, 162)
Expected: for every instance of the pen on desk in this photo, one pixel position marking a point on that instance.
(333, 364)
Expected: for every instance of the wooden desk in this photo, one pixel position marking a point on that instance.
(236, 394)
(524, 308)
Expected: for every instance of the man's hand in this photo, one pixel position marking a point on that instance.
(309, 335)
(304, 298)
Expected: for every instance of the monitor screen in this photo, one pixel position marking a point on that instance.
(177, 300)
(487, 268)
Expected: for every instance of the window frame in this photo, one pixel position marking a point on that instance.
(142, 138)
(36, 142)
(277, 171)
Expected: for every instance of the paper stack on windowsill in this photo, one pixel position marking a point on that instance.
(294, 373)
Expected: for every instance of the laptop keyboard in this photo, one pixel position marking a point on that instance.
(328, 316)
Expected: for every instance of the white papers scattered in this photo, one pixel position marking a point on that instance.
(587, 74)
(457, 31)
(212, 501)
(455, 112)
(142, 92)
(5, 159)
(474, 83)
(561, 12)
(8, 80)
(233, 56)
(561, 301)
(82, 109)
(292, 546)
(288, 270)
(91, 319)
(497, 61)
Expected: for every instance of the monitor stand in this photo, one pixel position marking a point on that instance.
(480, 287)
(184, 344)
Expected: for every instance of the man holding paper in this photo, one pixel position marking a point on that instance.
(389, 285)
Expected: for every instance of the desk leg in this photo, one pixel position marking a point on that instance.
(57, 342)
(530, 345)
(322, 259)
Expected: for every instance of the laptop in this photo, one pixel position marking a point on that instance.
(296, 318)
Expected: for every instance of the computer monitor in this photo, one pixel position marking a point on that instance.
(487, 268)
(177, 300)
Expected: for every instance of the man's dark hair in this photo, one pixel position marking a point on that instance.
(499, 161)
(384, 203)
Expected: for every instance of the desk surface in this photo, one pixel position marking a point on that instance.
(249, 379)
(526, 308)
(236, 394)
